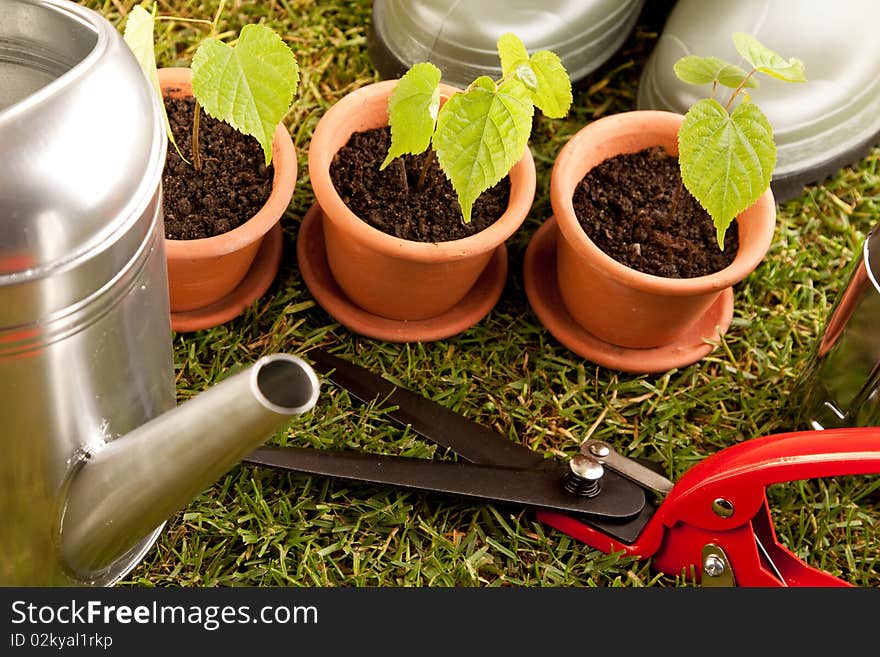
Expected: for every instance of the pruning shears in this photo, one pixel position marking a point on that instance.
(713, 524)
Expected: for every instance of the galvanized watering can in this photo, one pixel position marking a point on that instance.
(95, 453)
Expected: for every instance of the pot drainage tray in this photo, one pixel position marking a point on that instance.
(312, 260)
(543, 293)
(252, 287)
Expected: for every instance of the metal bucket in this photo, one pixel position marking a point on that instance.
(85, 331)
(842, 384)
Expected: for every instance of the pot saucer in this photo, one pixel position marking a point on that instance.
(539, 272)
(252, 287)
(315, 270)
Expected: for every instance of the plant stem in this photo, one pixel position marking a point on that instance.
(197, 160)
(426, 163)
(403, 180)
(197, 110)
(739, 89)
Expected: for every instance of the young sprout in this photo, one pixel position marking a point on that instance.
(727, 157)
(249, 85)
(480, 133)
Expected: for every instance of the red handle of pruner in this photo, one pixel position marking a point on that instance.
(742, 472)
(722, 501)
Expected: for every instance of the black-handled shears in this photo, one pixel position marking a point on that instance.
(494, 468)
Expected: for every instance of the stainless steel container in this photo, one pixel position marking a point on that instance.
(85, 333)
(841, 387)
(96, 453)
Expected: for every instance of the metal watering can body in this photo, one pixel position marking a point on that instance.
(96, 454)
(841, 387)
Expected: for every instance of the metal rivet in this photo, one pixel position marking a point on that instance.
(717, 570)
(599, 449)
(722, 507)
(713, 566)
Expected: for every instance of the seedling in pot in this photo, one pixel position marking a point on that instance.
(726, 152)
(478, 134)
(249, 85)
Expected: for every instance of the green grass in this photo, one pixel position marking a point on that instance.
(260, 528)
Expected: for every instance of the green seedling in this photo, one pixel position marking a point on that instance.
(249, 85)
(480, 133)
(726, 152)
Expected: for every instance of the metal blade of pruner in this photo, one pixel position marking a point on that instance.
(499, 470)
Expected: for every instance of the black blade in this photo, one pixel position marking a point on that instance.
(534, 487)
(434, 421)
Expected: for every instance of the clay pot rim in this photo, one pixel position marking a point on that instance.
(320, 155)
(561, 197)
(283, 184)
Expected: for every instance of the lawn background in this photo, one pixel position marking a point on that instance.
(260, 528)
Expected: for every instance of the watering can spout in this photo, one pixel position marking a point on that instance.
(96, 455)
(130, 486)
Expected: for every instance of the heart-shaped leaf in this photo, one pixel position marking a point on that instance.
(766, 60)
(694, 69)
(552, 94)
(138, 35)
(543, 74)
(412, 111)
(726, 160)
(512, 52)
(481, 134)
(250, 86)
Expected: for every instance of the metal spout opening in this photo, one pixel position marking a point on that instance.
(133, 484)
(285, 384)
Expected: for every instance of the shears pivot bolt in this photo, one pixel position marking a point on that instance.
(722, 507)
(584, 476)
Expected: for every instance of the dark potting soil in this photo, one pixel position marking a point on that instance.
(624, 207)
(391, 201)
(232, 186)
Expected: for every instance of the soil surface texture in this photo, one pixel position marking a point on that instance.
(232, 186)
(624, 206)
(391, 200)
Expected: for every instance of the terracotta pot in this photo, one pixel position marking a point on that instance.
(202, 273)
(617, 304)
(387, 276)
